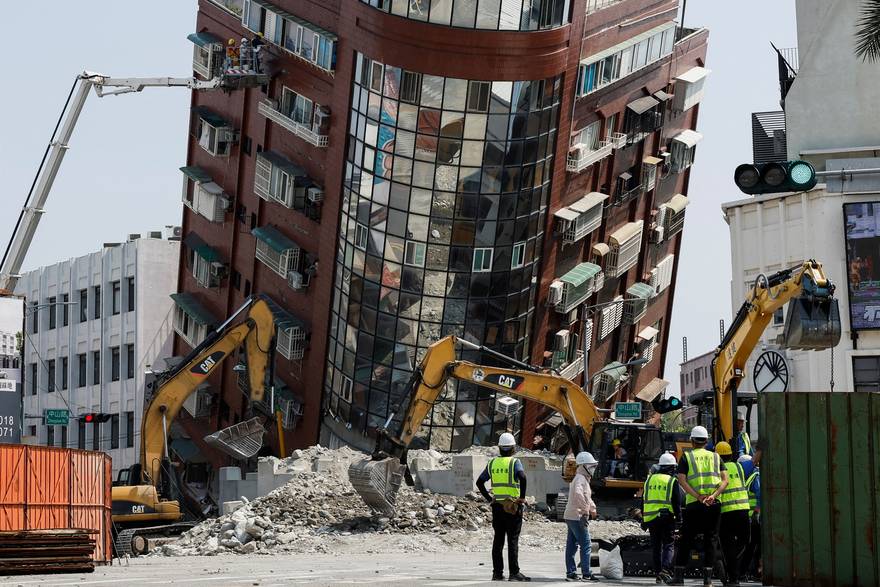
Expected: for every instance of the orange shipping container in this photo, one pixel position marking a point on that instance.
(51, 488)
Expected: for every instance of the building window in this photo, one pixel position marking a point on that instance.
(83, 305)
(50, 435)
(866, 374)
(96, 292)
(96, 367)
(625, 245)
(478, 96)
(683, 148)
(279, 180)
(53, 308)
(295, 35)
(81, 436)
(33, 379)
(64, 372)
(276, 251)
(482, 260)
(130, 283)
(114, 363)
(519, 256)
(414, 254)
(63, 437)
(114, 431)
(779, 317)
(65, 309)
(129, 429)
(35, 317)
(81, 370)
(361, 234)
(117, 297)
(213, 134)
(96, 436)
(410, 87)
(129, 361)
(50, 375)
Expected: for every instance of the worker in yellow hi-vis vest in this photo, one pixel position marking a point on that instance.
(735, 526)
(508, 480)
(661, 508)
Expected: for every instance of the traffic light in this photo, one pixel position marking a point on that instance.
(774, 177)
(94, 418)
(670, 404)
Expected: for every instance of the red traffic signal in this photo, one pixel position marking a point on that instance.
(92, 418)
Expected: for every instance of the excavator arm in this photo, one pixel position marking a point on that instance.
(256, 333)
(812, 323)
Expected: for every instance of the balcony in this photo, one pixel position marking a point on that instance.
(269, 109)
(276, 251)
(580, 218)
(617, 140)
(626, 196)
(596, 5)
(580, 157)
(575, 367)
(573, 288)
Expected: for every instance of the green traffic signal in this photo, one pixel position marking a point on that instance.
(775, 177)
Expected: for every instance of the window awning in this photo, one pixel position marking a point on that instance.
(274, 238)
(642, 291)
(601, 249)
(647, 333)
(677, 203)
(694, 74)
(580, 274)
(642, 105)
(613, 370)
(283, 163)
(628, 231)
(283, 319)
(296, 19)
(566, 214)
(688, 137)
(212, 188)
(210, 116)
(204, 39)
(653, 389)
(196, 174)
(192, 306)
(662, 96)
(195, 243)
(649, 160)
(588, 202)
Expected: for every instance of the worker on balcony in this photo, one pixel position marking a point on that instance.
(734, 529)
(508, 478)
(661, 509)
(703, 479)
(257, 46)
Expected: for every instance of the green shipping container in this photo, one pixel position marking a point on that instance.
(820, 482)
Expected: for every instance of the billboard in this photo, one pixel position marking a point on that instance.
(11, 358)
(863, 263)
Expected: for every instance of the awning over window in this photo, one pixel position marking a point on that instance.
(613, 370)
(694, 74)
(642, 291)
(210, 116)
(588, 202)
(677, 203)
(204, 39)
(628, 231)
(581, 274)
(653, 389)
(274, 238)
(196, 174)
(212, 188)
(296, 19)
(566, 214)
(283, 163)
(642, 105)
(192, 306)
(195, 243)
(662, 96)
(648, 332)
(649, 160)
(688, 137)
(601, 249)
(283, 318)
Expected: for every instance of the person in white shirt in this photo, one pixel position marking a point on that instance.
(579, 510)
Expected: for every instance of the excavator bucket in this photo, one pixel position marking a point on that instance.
(240, 441)
(377, 482)
(812, 324)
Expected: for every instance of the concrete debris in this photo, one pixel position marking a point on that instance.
(318, 511)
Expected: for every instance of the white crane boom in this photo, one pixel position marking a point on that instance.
(26, 227)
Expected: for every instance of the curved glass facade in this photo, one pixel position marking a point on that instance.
(444, 202)
(495, 15)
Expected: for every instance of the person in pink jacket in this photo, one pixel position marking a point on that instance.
(579, 510)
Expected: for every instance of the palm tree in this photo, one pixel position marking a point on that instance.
(868, 31)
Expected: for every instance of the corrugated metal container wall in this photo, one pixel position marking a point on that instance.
(819, 481)
(50, 488)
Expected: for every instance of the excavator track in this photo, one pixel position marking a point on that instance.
(136, 541)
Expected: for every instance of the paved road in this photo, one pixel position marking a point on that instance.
(427, 569)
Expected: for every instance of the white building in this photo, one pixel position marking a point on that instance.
(831, 120)
(94, 323)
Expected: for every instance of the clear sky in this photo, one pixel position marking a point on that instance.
(121, 173)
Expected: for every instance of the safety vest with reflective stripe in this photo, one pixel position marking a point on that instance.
(753, 498)
(504, 482)
(746, 442)
(704, 472)
(735, 496)
(657, 496)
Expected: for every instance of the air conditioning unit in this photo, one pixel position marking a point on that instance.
(218, 270)
(315, 195)
(295, 280)
(561, 340)
(227, 135)
(599, 281)
(506, 405)
(554, 293)
(322, 118)
(224, 202)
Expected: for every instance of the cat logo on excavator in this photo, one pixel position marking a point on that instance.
(203, 368)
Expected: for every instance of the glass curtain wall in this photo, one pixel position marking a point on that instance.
(444, 202)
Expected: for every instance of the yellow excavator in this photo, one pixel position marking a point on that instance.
(143, 507)
(377, 480)
(812, 323)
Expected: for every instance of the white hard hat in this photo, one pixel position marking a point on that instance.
(699, 433)
(744, 459)
(585, 458)
(740, 414)
(666, 459)
(506, 441)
